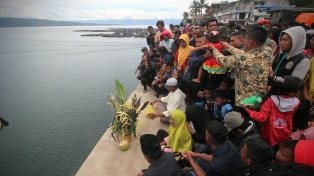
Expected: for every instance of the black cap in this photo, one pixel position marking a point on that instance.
(144, 49)
(149, 143)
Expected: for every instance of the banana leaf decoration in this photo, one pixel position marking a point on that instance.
(120, 90)
(138, 103)
(126, 113)
(134, 99)
(144, 105)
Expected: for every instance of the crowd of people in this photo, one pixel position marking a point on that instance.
(238, 99)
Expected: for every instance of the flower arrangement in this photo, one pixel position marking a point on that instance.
(126, 113)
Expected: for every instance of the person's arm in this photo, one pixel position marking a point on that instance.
(301, 69)
(264, 112)
(305, 90)
(165, 99)
(148, 40)
(204, 156)
(235, 51)
(176, 59)
(227, 61)
(200, 48)
(196, 168)
(177, 99)
(157, 39)
(185, 64)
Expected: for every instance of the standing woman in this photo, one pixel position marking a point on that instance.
(292, 61)
(182, 54)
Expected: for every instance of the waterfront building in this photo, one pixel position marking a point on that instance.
(251, 11)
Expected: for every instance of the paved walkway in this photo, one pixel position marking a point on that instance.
(106, 159)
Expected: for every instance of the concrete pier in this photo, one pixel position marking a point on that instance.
(106, 159)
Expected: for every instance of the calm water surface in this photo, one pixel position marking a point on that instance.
(53, 87)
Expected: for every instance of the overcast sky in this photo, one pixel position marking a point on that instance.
(95, 9)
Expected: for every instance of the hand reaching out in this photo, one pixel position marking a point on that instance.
(225, 45)
(187, 155)
(211, 47)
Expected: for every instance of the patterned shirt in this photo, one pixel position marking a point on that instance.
(251, 69)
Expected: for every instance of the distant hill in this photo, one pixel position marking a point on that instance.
(151, 22)
(23, 22)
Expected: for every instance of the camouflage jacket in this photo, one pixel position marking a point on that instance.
(251, 69)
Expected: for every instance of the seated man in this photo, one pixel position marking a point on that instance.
(161, 163)
(175, 100)
(240, 129)
(224, 157)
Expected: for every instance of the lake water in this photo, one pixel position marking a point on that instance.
(53, 88)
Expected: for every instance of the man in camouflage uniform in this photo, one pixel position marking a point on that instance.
(250, 66)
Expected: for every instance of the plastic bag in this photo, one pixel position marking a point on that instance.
(253, 101)
(149, 109)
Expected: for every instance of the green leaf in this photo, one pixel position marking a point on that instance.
(138, 103)
(111, 100)
(144, 105)
(119, 99)
(134, 99)
(120, 90)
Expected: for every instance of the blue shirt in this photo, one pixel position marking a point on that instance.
(220, 113)
(225, 158)
(166, 165)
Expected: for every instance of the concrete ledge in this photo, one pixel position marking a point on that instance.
(107, 159)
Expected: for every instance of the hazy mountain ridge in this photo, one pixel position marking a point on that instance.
(24, 22)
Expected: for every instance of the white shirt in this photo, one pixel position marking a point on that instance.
(174, 100)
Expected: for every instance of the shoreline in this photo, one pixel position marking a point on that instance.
(115, 32)
(107, 159)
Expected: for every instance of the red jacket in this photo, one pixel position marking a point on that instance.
(275, 118)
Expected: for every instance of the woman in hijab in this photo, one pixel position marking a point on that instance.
(179, 138)
(182, 54)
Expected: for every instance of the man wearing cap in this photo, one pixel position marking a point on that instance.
(240, 129)
(161, 163)
(145, 51)
(174, 100)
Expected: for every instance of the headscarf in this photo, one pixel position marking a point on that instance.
(179, 139)
(165, 32)
(184, 52)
